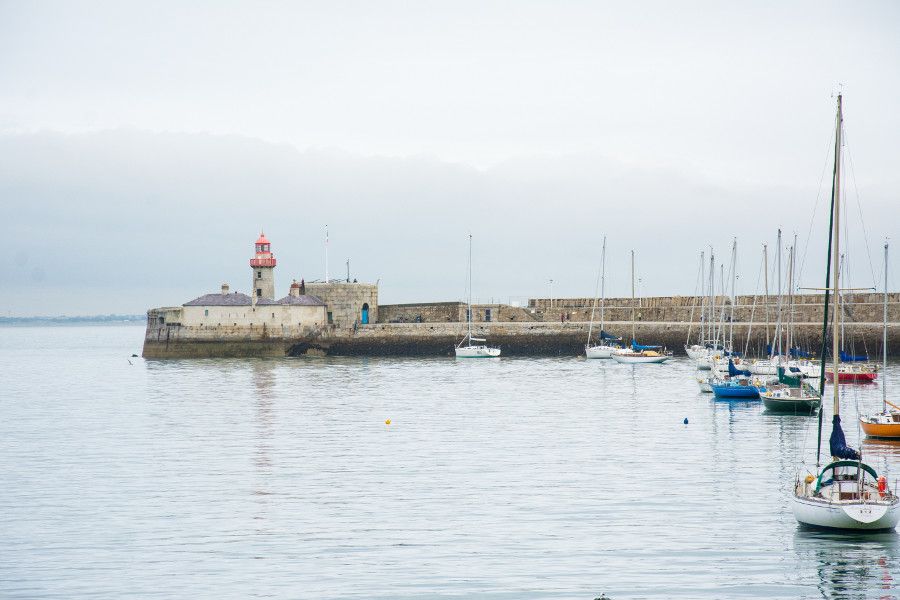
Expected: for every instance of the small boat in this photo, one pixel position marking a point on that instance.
(739, 388)
(644, 356)
(738, 385)
(885, 424)
(704, 383)
(791, 395)
(608, 344)
(846, 494)
(639, 354)
(852, 373)
(472, 347)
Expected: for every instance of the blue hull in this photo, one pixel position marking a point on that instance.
(743, 392)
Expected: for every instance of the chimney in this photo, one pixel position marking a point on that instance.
(224, 289)
(295, 289)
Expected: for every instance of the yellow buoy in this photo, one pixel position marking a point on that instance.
(387, 422)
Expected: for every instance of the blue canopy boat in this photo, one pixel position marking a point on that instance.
(737, 386)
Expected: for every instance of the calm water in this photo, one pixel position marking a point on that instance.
(507, 479)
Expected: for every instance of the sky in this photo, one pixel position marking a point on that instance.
(143, 146)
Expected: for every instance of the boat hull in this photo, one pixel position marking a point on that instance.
(477, 352)
(861, 516)
(599, 351)
(638, 360)
(881, 430)
(798, 406)
(866, 377)
(735, 392)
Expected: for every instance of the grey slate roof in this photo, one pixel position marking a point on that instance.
(239, 299)
(307, 300)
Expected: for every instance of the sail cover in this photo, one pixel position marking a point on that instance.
(838, 443)
(733, 370)
(609, 336)
(853, 358)
(639, 348)
(787, 379)
(798, 353)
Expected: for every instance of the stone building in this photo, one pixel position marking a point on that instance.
(350, 304)
(294, 315)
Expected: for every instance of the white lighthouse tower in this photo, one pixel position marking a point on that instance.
(263, 265)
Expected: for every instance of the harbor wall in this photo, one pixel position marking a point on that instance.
(439, 339)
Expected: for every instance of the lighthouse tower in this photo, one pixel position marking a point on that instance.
(263, 265)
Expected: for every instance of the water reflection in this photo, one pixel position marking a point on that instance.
(851, 565)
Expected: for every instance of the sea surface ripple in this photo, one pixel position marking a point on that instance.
(504, 479)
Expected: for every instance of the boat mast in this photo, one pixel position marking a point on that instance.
(884, 340)
(790, 319)
(766, 278)
(469, 314)
(694, 302)
(836, 256)
(712, 302)
(633, 338)
(776, 343)
(826, 303)
(733, 277)
(724, 289)
(602, 282)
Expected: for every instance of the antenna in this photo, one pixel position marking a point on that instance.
(326, 254)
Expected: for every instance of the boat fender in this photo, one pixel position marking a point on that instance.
(882, 485)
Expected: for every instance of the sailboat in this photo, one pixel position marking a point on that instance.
(846, 493)
(885, 424)
(472, 347)
(791, 394)
(607, 344)
(702, 348)
(639, 354)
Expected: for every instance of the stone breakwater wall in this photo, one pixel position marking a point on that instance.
(806, 308)
(439, 339)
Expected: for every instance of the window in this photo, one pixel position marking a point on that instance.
(468, 315)
(258, 293)
(259, 274)
(330, 319)
(206, 313)
(487, 314)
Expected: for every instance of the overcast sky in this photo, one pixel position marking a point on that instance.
(144, 145)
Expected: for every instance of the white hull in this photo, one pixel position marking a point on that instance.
(694, 352)
(846, 515)
(764, 367)
(476, 352)
(705, 363)
(635, 359)
(705, 387)
(599, 351)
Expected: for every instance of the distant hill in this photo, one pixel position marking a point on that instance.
(86, 320)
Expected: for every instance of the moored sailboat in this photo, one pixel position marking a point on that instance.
(639, 354)
(885, 424)
(846, 493)
(472, 347)
(608, 344)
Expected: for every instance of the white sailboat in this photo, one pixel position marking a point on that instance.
(846, 493)
(602, 349)
(639, 354)
(472, 347)
(700, 349)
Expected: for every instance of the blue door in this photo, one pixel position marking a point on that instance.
(365, 314)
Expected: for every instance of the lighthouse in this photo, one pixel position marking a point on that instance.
(263, 265)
